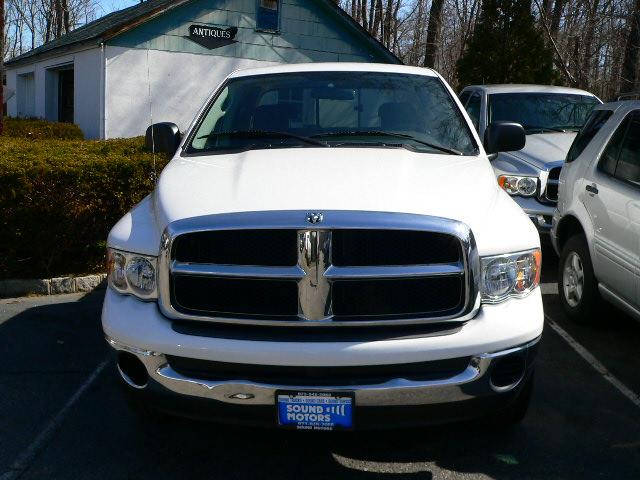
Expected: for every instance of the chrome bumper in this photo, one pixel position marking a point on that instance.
(539, 213)
(473, 382)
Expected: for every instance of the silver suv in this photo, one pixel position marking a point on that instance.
(551, 116)
(596, 227)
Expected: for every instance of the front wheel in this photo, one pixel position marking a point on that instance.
(577, 283)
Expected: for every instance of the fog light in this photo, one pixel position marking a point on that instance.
(507, 371)
(132, 370)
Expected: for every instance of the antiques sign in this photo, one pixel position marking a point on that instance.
(212, 37)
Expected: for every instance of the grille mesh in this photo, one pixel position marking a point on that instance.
(393, 247)
(224, 296)
(270, 248)
(423, 296)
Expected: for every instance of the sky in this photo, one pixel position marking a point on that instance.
(108, 6)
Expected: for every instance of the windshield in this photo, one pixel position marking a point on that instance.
(542, 112)
(334, 109)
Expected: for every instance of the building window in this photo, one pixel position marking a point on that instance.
(268, 15)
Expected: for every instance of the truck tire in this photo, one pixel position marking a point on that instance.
(577, 284)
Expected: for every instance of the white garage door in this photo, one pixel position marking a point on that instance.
(26, 95)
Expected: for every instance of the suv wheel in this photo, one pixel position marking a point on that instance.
(577, 283)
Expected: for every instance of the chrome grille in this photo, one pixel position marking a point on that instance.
(373, 284)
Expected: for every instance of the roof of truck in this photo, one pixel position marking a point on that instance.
(334, 67)
(525, 88)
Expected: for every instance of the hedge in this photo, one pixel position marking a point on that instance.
(36, 129)
(59, 198)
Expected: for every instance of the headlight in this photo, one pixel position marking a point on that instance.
(514, 185)
(511, 275)
(131, 273)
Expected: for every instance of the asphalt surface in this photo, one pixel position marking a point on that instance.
(62, 414)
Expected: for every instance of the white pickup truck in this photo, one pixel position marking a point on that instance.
(328, 249)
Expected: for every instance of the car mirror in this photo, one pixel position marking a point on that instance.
(162, 138)
(504, 137)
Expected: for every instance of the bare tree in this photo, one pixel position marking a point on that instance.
(2, 40)
(433, 33)
(630, 80)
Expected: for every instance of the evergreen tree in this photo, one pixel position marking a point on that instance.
(506, 47)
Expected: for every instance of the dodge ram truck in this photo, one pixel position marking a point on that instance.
(327, 249)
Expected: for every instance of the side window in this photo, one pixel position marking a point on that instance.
(609, 158)
(267, 15)
(464, 96)
(473, 109)
(628, 168)
(593, 125)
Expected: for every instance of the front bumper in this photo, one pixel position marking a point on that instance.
(498, 331)
(475, 381)
(541, 214)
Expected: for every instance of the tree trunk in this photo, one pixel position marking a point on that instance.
(588, 52)
(629, 81)
(363, 13)
(547, 4)
(58, 17)
(1, 66)
(433, 33)
(558, 8)
(65, 15)
(377, 19)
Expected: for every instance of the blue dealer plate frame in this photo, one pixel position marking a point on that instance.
(309, 410)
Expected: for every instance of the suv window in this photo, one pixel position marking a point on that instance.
(464, 96)
(473, 109)
(609, 158)
(593, 125)
(628, 167)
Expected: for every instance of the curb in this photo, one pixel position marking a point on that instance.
(51, 286)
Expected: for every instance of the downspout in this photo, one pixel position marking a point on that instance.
(103, 91)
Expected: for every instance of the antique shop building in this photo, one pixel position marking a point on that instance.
(160, 59)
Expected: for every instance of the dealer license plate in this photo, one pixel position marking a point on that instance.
(315, 410)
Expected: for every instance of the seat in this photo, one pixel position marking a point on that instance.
(274, 117)
(398, 116)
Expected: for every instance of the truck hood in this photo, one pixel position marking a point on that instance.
(320, 179)
(542, 149)
(368, 179)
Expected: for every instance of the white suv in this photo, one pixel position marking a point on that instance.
(596, 227)
(328, 249)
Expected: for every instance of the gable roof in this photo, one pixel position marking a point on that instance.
(110, 25)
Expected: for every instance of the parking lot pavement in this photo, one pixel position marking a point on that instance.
(62, 415)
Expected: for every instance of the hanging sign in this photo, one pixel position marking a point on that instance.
(212, 37)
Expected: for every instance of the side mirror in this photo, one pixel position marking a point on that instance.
(504, 137)
(162, 138)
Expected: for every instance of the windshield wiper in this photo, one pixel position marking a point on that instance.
(265, 134)
(379, 133)
(530, 129)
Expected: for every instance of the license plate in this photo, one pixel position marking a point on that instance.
(315, 410)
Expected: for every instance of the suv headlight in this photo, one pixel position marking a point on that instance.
(510, 275)
(515, 185)
(132, 273)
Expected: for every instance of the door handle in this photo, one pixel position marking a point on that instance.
(592, 189)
